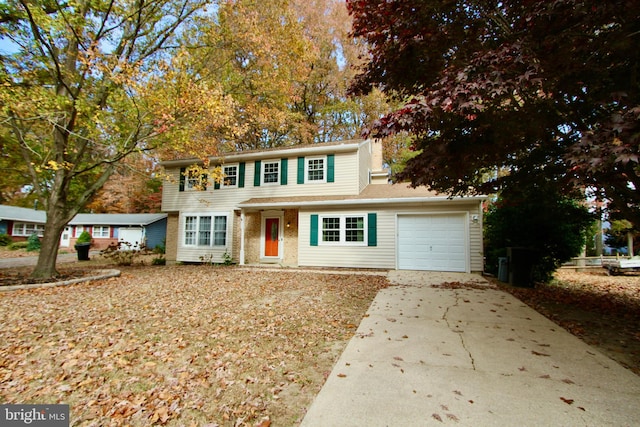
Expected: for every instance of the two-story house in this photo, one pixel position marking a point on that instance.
(321, 205)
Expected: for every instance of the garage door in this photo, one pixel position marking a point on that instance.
(131, 238)
(432, 242)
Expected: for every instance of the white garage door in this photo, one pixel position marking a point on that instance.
(432, 242)
(132, 238)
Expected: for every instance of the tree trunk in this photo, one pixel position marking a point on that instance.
(46, 266)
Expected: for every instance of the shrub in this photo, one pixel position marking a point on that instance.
(17, 245)
(160, 260)
(33, 243)
(553, 226)
(84, 237)
(124, 253)
(5, 240)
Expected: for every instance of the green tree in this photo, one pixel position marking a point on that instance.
(80, 94)
(530, 88)
(617, 235)
(553, 226)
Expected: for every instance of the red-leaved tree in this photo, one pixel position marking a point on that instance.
(506, 93)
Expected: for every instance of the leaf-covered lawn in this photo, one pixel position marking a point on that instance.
(604, 311)
(180, 345)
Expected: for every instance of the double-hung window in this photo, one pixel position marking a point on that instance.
(205, 230)
(315, 169)
(230, 179)
(271, 172)
(344, 229)
(27, 229)
(100, 231)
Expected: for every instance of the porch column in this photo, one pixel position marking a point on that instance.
(241, 236)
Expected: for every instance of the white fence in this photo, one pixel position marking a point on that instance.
(588, 262)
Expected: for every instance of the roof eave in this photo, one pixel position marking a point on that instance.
(256, 155)
(351, 202)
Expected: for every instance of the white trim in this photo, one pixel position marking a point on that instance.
(242, 232)
(309, 159)
(65, 237)
(315, 150)
(347, 202)
(198, 215)
(101, 227)
(263, 170)
(342, 229)
(22, 230)
(263, 217)
(224, 175)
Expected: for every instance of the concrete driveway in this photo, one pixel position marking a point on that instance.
(450, 349)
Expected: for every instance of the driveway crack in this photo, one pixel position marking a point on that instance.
(457, 330)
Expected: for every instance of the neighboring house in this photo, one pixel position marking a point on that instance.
(150, 229)
(20, 223)
(320, 205)
(106, 229)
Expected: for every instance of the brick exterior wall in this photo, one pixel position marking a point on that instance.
(171, 248)
(252, 238)
(290, 238)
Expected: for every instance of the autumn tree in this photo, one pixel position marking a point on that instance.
(537, 88)
(287, 65)
(134, 187)
(90, 83)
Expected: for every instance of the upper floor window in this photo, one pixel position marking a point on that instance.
(27, 229)
(271, 172)
(315, 169)
(230, 176)
(193, 180)
(318, 169)
(101, 231)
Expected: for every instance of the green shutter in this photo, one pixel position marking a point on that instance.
(241, 168)
(284, 171)
(256, 174)
(300, 170)
(204, 181)
(330, 167)
(314, 230)
(182, 177)
(216, 183)
(372, 229)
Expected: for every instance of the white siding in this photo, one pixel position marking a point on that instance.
(227, 199)
(384, 254)
(346, 181)
(379, 256)
(476, 246)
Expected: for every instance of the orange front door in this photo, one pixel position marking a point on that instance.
(271, 234)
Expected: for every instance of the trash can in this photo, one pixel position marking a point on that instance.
(83, 251)
(520, 261)
(503, 269)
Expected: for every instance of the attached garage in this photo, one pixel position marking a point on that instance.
(434, 242)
